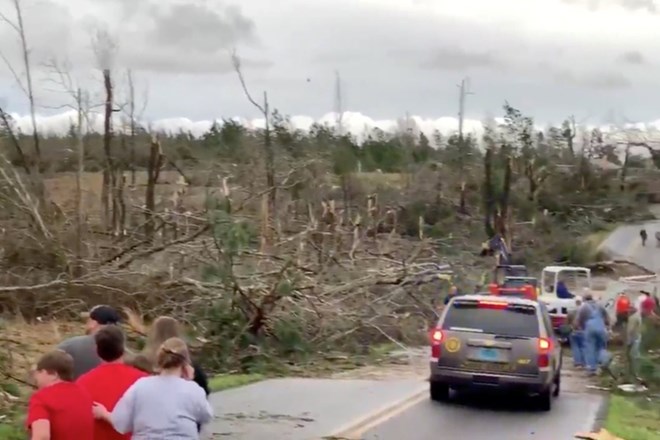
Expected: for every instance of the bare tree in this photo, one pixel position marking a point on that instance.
(568, 131)
(105, 49)
(80, 102)
(133, 114)
(19, 27)
(269, 154)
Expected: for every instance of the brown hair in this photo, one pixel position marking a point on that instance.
(141, 362)
(57, 362)
(110, 341)
(162, 329)
(172, 354)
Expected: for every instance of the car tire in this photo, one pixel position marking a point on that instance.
(439, 392)
(544, 400)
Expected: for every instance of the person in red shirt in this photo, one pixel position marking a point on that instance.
(108, 382)
(60, 409)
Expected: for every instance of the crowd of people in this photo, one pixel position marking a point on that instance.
(592, 326)
(92, 387)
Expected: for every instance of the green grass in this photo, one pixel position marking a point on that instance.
(633, 418)
(11, 432)
(227, 381)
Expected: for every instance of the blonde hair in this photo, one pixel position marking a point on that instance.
(172, 354)
(162, 329)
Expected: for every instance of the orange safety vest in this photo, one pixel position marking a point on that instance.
(622, 304)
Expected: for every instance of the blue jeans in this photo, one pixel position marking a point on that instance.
(578, 349)
(596, 346)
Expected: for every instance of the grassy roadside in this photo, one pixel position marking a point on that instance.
(10, 431)
(633, 418)
(226, 381)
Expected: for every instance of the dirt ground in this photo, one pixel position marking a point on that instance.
(22, 343)
(61, 191)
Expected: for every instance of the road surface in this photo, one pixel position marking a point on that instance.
(495, 418)
(625, 243)
(392, 404)
(302, 409)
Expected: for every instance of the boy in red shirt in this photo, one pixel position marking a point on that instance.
(108, 382)
(60, 409)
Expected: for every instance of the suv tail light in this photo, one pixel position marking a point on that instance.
(436, 340)
(544, 346)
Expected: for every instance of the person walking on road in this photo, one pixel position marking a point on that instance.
(622, 308)
(110, 380)
(643, 235)
(60, 409)
(577, 338)
(166, 406)
(593, 318)
(633, 341)
(162, 329)
(83, 348)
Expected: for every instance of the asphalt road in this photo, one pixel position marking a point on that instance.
(625, 243)
(493, 418)
(302, 409)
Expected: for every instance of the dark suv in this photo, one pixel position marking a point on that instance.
(501, 342)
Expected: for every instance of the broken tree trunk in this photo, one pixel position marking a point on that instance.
(153, 172)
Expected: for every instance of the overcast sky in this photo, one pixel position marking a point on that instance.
(550, 58)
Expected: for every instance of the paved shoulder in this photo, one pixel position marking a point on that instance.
(301, 409)
(497, 418)
(624, 243)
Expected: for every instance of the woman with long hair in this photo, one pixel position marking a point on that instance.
(168, 405)
(162, 329)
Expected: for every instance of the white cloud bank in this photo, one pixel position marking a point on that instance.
(354, 122)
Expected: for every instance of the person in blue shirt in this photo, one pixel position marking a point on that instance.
(563, 292)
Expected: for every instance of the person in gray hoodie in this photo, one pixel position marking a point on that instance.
(83, 348)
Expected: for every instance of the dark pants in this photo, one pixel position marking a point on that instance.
(621, 320)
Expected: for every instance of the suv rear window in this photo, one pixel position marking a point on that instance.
(505, 322)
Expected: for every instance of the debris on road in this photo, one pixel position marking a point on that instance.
(632, 388)
(603, 434)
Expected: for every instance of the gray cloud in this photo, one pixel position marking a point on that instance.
(632, 57)
(632, 5)
(179, 48)
(155, 36)
(459, 59)
(594, 80)
(196, 27)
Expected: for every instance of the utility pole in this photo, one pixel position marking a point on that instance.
(339, 110)
(464, 88)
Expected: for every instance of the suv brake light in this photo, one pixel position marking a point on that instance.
(544, 344)
(436, 339)
(544, 348)
(492, 305)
